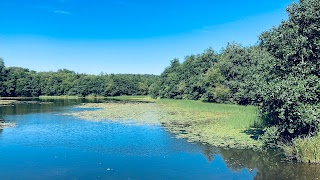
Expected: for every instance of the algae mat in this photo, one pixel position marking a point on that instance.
(214, 127)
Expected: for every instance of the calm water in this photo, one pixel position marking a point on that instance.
(47, 145)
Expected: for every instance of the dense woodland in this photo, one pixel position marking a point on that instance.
(16, 81)
(280, 74)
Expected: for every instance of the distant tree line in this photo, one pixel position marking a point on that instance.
(17, 81)
(281, 74)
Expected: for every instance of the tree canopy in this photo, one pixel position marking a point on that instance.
(16, 81)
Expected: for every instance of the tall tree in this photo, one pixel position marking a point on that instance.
(291, 100)
(2, 77)
(296, 42)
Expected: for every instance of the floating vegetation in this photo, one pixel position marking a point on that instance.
(132, 98)
(13, 102)
(215, 124)
(7, 102)
(140, 113)
(59, 97)
(91, 96)
(32, 102)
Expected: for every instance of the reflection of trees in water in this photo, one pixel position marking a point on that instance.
(1, 120)
(237, 159)
(290, 171)
(268, 165)
(209, 152)
(41, 108)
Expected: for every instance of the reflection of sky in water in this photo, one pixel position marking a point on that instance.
(48, 145)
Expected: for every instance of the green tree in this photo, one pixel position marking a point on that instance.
(291, 100)
(2, 77)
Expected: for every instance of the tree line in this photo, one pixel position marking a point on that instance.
(17, 81)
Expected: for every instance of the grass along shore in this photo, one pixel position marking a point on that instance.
(306, 150)
(221, 125)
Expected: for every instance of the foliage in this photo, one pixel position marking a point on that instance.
(270, 137)
(2, 76)
(295, 43)
(233, 76)
(186, 80)
(16, 81)
(291, 99)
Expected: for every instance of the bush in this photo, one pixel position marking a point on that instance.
(292, 105)
(270, 137)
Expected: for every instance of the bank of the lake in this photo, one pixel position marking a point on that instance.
(221, 125)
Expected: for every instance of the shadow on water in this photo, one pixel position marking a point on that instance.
(267, 164)
(254, 133)
(36, 105)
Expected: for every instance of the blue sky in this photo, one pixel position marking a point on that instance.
(126, 36)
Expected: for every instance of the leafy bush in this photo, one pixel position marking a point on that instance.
(291, 99)
(292, 105)
(270, 137)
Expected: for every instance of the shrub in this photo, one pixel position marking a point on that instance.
(305, 150)
(271, 136)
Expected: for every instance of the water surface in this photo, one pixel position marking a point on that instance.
(48, 145)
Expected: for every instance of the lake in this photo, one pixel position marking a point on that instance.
(45, 144)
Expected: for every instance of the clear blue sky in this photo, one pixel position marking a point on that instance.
(126, 36)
